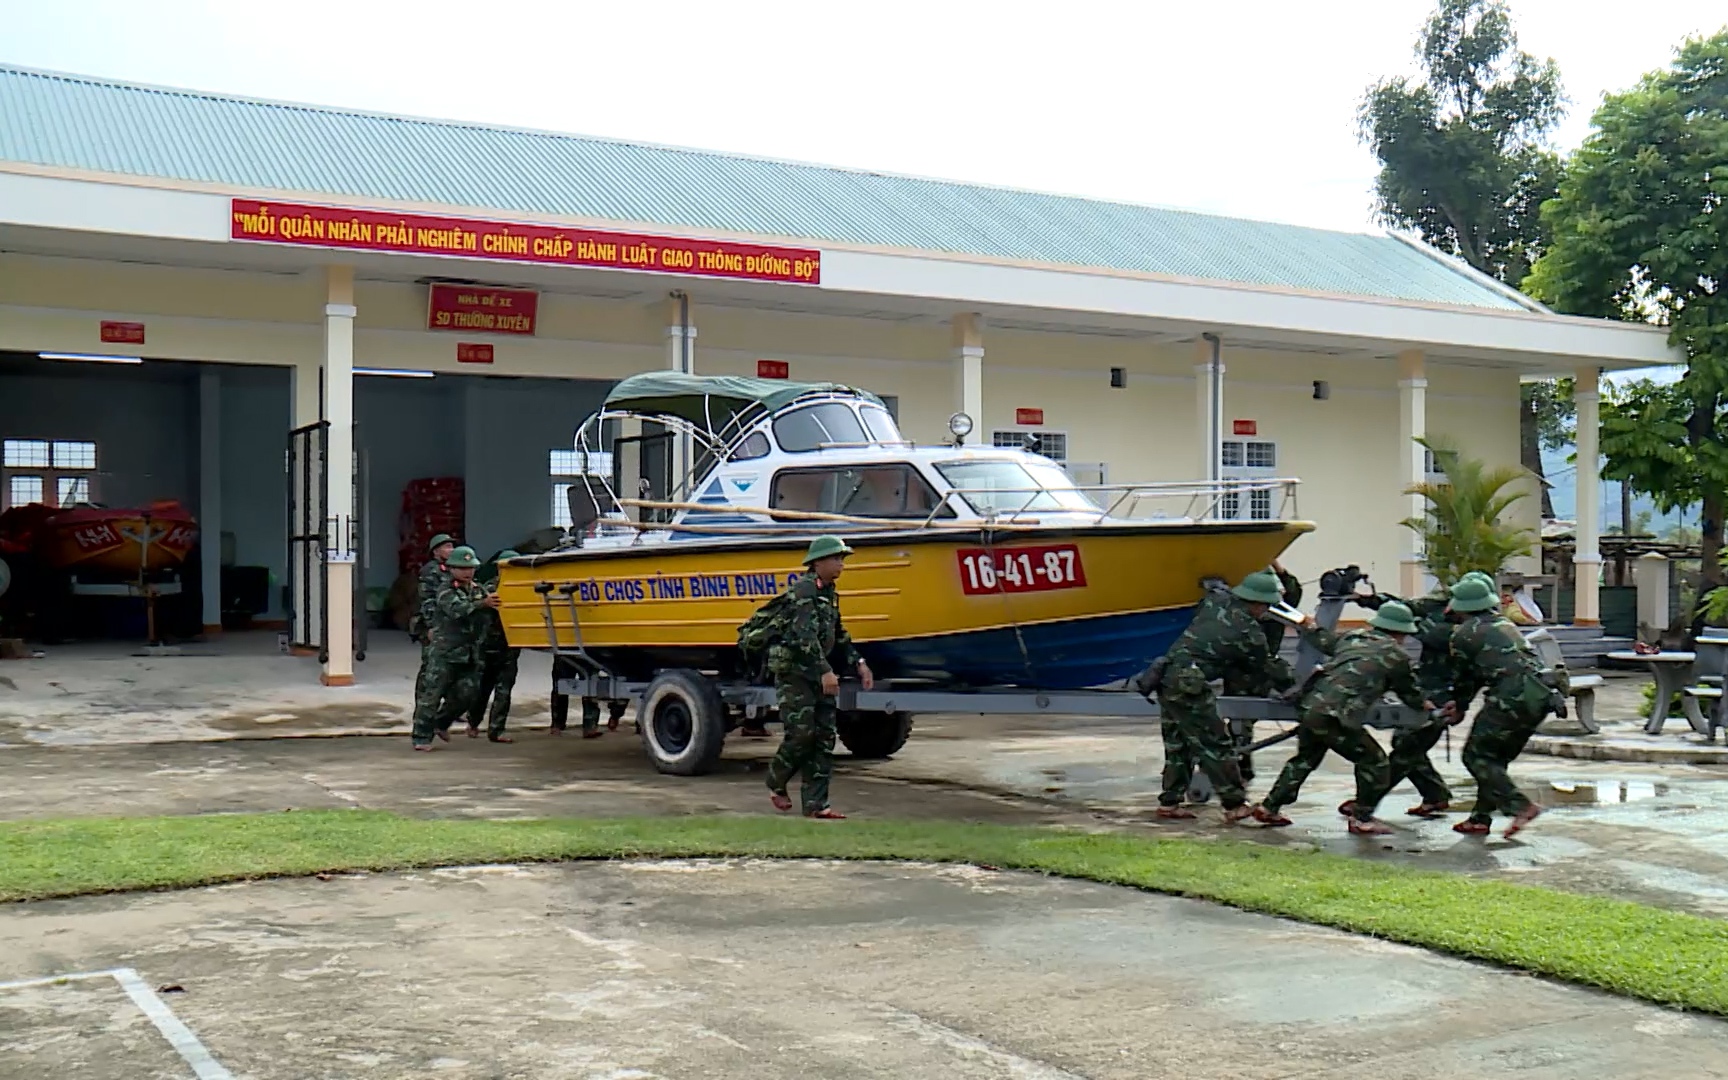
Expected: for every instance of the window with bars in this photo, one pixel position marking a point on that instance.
(566, 467)
(1430, 467)
(1050, 444)
(1247, 459)
(1241, 454)
(36, 470)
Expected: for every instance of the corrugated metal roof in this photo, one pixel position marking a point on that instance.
(76, 122)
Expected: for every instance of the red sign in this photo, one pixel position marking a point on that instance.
(468, 352)
(472, 238)
(1245, 427)
(1020, 569)
(773, 369)
(122, 333)
(1029, 417)
(481, 308)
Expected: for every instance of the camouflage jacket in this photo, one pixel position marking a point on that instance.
(1488, 653)
(1226, 642)
(812, 640)
(458, 623)
(1364, 665)
(492, 642)
(1257, 684)
(1435, 673)
(433, 578)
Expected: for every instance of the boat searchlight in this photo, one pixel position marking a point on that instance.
(960, 426)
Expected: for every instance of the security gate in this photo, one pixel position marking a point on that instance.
(314, 536)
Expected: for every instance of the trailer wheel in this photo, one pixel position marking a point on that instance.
(873, 734)
(682, 721)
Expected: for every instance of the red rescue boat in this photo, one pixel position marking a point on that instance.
(110, 542)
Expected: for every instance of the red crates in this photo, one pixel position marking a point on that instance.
(429, 507)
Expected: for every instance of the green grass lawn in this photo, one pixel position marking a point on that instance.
(1631, 949)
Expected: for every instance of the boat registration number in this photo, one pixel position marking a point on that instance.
(1020, 569)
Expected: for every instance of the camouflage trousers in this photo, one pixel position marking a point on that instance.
(1316, 736)
(1409, 760)
(451, 683)
(1195, 738)
(590, 712)
(810, 722)
(497, 680)
(1497, 737)
(420, 675)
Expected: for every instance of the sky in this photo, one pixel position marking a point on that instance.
(1244, 108)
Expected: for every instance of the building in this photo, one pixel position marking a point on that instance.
(273, 262)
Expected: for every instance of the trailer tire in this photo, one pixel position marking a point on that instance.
(874, 735)
(682, 721)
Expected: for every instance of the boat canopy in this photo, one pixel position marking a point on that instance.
(712, 401)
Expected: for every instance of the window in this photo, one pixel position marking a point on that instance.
(1007, 487)
(756, 446)
(1431, 468)
(1246, 459)
(828, 424)
(37, 468)
(881, 425)
(567, 467)
(1050, 444)
(891, 491)
(1238, 454)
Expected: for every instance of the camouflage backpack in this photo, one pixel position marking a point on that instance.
(761, 631)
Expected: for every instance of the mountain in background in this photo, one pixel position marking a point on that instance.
(1563, 490)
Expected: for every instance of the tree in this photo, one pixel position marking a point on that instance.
(1639, 232)
(1462, 529)
(1463, 162)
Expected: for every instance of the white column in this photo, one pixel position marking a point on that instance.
(681, 356)
(969, 374)
(339, 503)
(1209, 407)
(1412, 465)
(1587, 560)
(210, 494)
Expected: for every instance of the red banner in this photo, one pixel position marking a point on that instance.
(482, 308)
(1244, 427)
(472, 353)
(1029, 417)
(773, 369)
(473, 238)
(122, 333)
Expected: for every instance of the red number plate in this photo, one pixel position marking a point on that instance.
(1020, 569)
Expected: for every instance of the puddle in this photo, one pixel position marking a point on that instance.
(1597, 792)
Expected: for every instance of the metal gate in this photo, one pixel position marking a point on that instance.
(316, 536)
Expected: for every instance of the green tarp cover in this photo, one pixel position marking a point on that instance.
(711, 399)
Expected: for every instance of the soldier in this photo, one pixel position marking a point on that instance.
(433, 577)
(1225, 636)
(1490, 654)
(810, 644)
(1335, 702)
(452, 658)
(497, 664)
(590, 707)
(1243, 683)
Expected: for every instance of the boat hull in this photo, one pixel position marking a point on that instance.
(120, 544)
(1057, 608)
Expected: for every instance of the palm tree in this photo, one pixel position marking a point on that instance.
(1462, 530)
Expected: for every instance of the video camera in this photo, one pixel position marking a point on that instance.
(1340, 584)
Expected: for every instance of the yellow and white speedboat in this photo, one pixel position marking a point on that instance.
(975, 567)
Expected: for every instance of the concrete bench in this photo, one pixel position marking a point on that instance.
(1584, 687)
(1702, 701)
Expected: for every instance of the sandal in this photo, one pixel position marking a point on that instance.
(1175, 813)
(443, 734)
(1472, 828)
(780, 801)
(473, 731)
(827, 813)
(1369, 828)
(1270, 818)
(592, 733)
(423, 747)
(1239, 813)
(1347, 808)
(1429, 810)
(1530, 814)
(499, 738)
(753, 732)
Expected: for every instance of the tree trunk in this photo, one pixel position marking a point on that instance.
(1530, 446)
(1711, 548)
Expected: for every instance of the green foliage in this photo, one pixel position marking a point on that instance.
(1462, 528)
(1639, 233)
(1647, 698)
(1664, 956)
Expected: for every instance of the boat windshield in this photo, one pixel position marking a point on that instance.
(1008, 487)
(830, 423)
(881, 425)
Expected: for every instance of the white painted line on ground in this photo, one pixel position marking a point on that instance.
(179, 1036)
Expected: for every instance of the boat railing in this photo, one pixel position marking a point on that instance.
(1200, 500)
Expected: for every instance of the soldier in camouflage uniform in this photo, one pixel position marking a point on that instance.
(811, 645)
(433, 577)
(1435, 678)
(498, 663)
(1245, 683)
(1364, 665)
(1491, 655)
(452, 658)
(1225, 636)
(590, 708)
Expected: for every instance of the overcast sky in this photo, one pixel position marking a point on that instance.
(1243, 108)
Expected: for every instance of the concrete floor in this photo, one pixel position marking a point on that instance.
(758, 970)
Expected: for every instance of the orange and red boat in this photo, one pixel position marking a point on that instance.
(101, 541)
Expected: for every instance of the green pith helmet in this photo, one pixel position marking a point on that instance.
(463, 558)
(1485, 578)
(441, 538)
(1260, 587)
(508, 553)
(1472, 595)
(1395, 617)
(824, 546)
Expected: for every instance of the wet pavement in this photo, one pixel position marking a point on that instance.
(746, 969)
